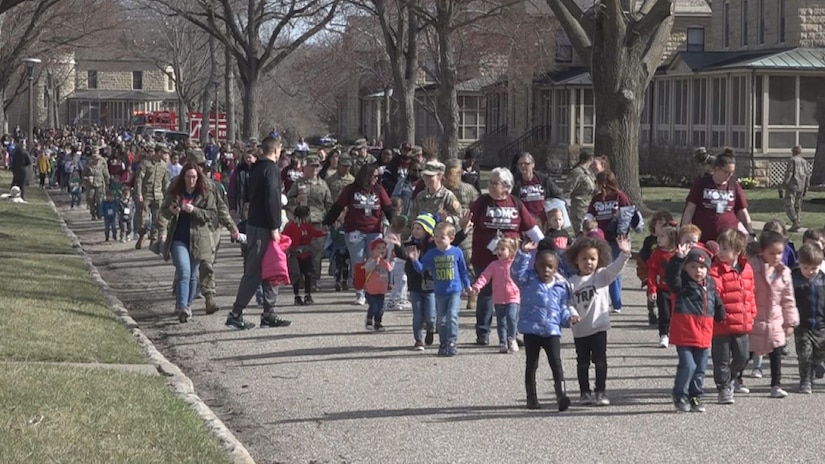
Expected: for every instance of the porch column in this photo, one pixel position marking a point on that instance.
(571, 103)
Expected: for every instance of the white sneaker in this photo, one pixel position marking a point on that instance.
(664, 341)
(740, 388)
(778, 392)
(756, 373)
(513, 346)
(360, 300)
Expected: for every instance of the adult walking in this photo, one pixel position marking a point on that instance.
(533, 188)
(436, 198)
(795, 186)
(466, 194)
(190, 208)
(717, 202)
(360, 155)
(239, 183)
(342, 177)
(581, 183)
(96, 180)
(329, 166)
(151, 182)
(20, 165)
(313, 192)
(263, 226)
(496, 214)
(365, 200)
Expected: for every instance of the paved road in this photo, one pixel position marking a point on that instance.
(324, 391)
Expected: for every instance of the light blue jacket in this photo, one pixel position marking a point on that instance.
(545, 308)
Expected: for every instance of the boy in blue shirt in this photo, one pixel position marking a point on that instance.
(449, 270)
(108, 211)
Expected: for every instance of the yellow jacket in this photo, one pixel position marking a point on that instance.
(43, 164)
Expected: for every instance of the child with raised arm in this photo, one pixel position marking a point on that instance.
(375, 285)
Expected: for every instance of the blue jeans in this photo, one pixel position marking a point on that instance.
(506, 321)
(616, 286)
(186, 274)
(75, 199)
(359, 251)
(484, 308)
(447, 313)
(110, 227)
(423, 309)
(690, 373)
(375, 310)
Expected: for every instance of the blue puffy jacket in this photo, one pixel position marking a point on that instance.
(544, 310)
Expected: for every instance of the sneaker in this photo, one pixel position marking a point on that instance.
(369, 326)
(442, 351)
(586, 398)
(308, 300)
(503, 348)
(616, 311)
(664, 341)
(778, 392)
(513, 346)
(238, 322)
(391, 306)
(139, 243)
(271, 320)
(483, 341)
(564, 403)
(428, 339)
(819, 371)
(451, 349)
(756, 373)
(601, 400)
(740, 388)
(379, 327)
(419, 345)
(360, 300)
(298, 300)
(696, 405)
(805, 388)
(681, 404)
(184, 314)
(725, 395)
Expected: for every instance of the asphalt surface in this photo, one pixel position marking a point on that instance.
(326, 391)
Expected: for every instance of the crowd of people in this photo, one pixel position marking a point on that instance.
(406, 231)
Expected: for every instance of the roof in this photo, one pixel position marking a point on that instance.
(680, 7)
(574, 76)
(790, 59)
(124, 95)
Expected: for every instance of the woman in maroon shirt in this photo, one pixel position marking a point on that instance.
(533, 189)
(365, 201)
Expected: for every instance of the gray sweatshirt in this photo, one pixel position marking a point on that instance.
(592, 298)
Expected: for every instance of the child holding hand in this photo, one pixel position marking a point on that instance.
(506, 294)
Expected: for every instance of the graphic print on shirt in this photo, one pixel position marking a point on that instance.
(502, 218)
(531, 193)
(366, 202)
(605, 209)
(444, 267)
(720, 201)
(583, 296)
(294, 174)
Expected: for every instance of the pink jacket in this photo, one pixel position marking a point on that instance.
(274, 263)
(775, 307)
(505, 291)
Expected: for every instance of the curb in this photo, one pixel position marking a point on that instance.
(178, 381)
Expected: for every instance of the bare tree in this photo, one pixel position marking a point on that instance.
(260, 36)
(623, 45)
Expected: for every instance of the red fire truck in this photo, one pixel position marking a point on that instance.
(168, 120)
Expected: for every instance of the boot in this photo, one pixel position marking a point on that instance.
(561, 396)
(471, 301)
(211, 305)
(139, 243)
(532, 398)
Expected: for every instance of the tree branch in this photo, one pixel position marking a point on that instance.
(646, 26)
(573, 21)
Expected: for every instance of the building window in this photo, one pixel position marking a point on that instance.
(471, 117)
(781, 21)
(564, 50)
(585, 116)
(91, 79)
(562, 103)
(761, 22)
(680, 112)
(699, 110)
(782, 101)
(744, 23)
(726, 32)
(663, 110)
(810, 89)
(738, 100)
(696, 39)
(137, 80)
(718, 113)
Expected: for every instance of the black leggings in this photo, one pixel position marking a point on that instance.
(663, 304)
(305, 269)
(533, 344)
(591, 348)
(341, 265)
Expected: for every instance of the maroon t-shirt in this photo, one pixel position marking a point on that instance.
(364, 208)
(716, 206)
(491, 216)
(289, 175)
(532, 194)
(603, 209)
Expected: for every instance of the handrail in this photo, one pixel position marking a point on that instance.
(537, 134)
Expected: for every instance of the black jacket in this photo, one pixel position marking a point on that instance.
(264, 195)
(810, 299)
(416, 281)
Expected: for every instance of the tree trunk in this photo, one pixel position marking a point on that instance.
(249, 79)
(447, 105)
(205, 104)
(4, 122)
(182, 115)
(818, 175)
(229, 98)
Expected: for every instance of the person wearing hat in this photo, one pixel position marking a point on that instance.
(96, 177)
(360, 155)
(151, 183)
(342, 177)
(581, 183)
(435, 198)
(795, 185)
(313, 192)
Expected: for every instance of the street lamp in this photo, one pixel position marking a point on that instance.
(30, 62)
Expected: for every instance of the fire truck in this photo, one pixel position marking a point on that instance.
(168, 120)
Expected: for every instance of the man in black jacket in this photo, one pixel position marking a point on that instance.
(263, 226)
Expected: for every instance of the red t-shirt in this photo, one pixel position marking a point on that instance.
(604, 208)
(716, 206)
(302, 235)
(532, 194)
(491, 216)
(364, 209)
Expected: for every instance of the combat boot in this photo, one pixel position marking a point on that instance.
(211, 305)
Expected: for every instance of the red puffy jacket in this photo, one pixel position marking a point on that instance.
(736, 288)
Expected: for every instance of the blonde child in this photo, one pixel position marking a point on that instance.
(658, 292)
(398, 278)
(590, 228)
(689, 234)
(506, 295)
(590, 259)
(375, 285)
(546, 307)
(776, 313)
(658, 221)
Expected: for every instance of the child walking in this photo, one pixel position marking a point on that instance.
(301, 232)
(376, 283)
(449, 270)
(398, 294)
(658, 292)
(809, 290)
(506, 294)
(776, 312)
(658, 221)
(340, 257)
(126, 208)
(546, 307)
(555, 229)
(108, 211)
(75, 189)
(590, 259)
(730, 347)
(696, 305)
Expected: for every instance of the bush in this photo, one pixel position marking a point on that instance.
(748, 183)
(667, 165)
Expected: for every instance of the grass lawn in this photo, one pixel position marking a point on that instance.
(53, 311)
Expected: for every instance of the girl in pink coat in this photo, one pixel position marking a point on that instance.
(776, 313)
(506, 294)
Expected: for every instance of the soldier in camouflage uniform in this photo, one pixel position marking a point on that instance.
(151, 182)
(342, 177)
(466, 194)
(313, 192)
(96, 178)
(580, 186)
(360, 155)
(436, 198)
(206, 278)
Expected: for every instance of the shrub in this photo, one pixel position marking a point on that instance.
(748, 183)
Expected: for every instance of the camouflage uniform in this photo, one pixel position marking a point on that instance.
(96, 178)
(358, 161)
(795, 183)
(336, 184)
(580, 184)
(151, 183)
(319, 200)
(466, 194)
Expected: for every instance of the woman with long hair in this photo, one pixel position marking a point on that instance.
(330, 165)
